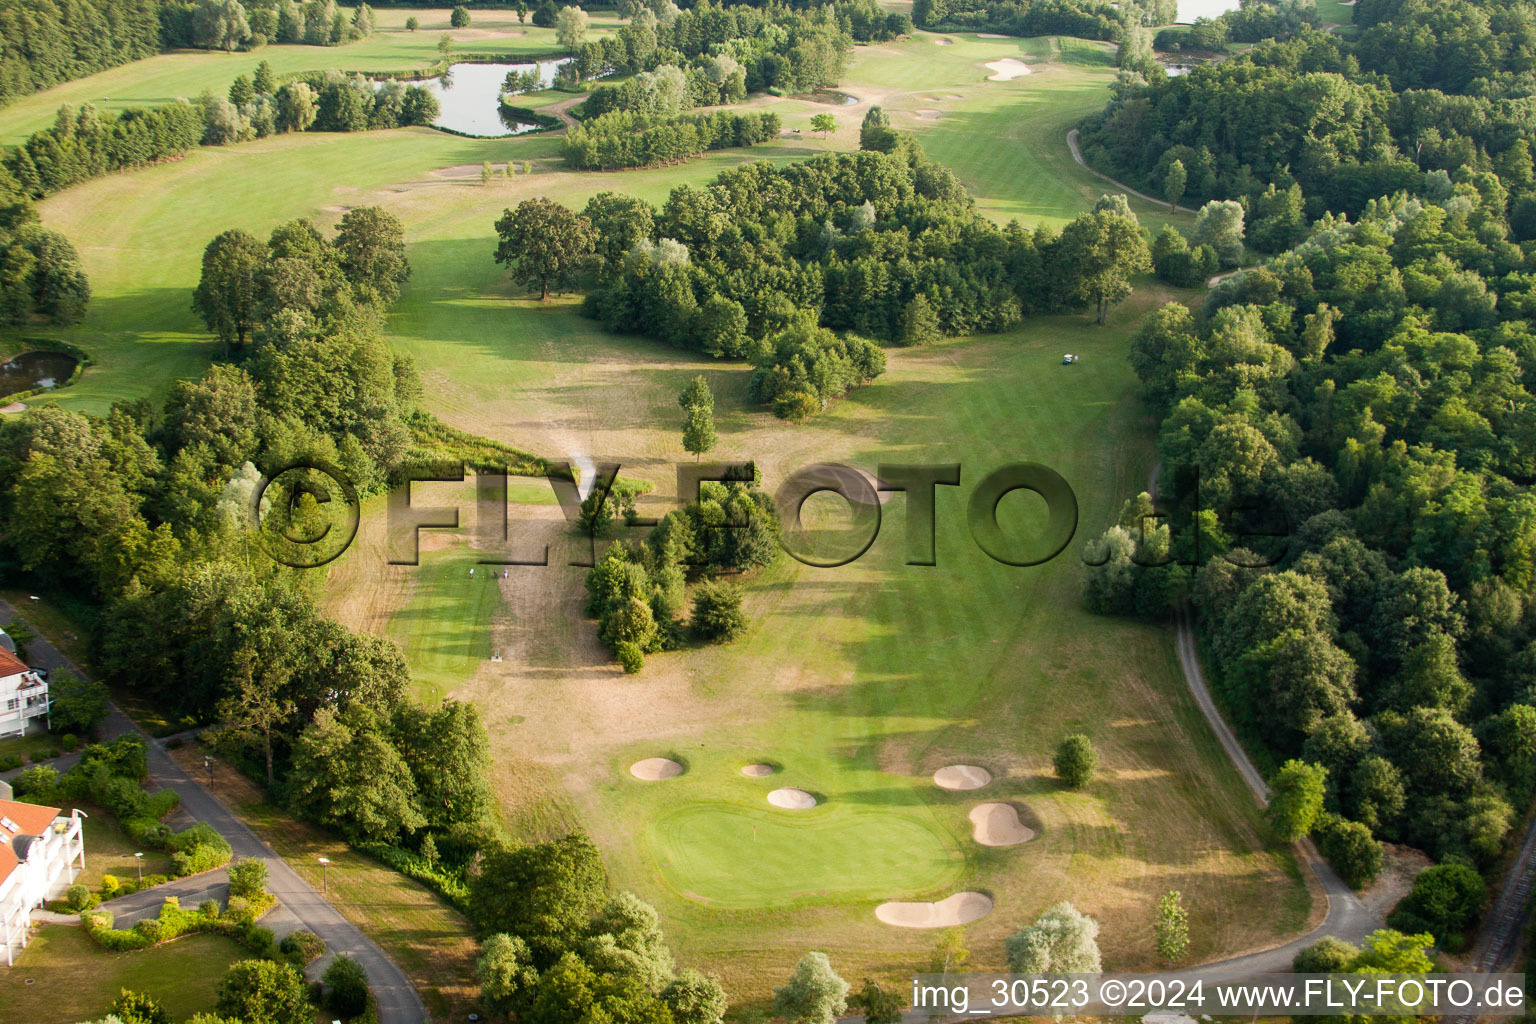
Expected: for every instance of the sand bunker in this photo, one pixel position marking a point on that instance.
(1007, 69)
(999, 825)
(757, 771)
(792, 799)
(457, 171)
(929, 115)
(960, 909)
(654, 769)
(961, 776)
(15, 407)
(945, 42)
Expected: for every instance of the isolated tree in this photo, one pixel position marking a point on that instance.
(487, 172)
(1175, 178)
(522, 12)
(878, 1005)
(1062, 940)
(371, 245)
(1075, 761)
(444, 47)
(698, 404)
(695, 998)
(826, 124)
(412, 23)
(460, 17)
(815, 994)
(506, 974)
(1296, 799)
(717, 615)
(264, 992)
(1219, 224)
(571, 26)
(545, 242)
(1101, 251)
(1172, 927)
(949, 952)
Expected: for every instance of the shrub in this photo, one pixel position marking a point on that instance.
(302, 947)
(10, 762)
(631, 657)
(1350, 848)
(150, 929)
(39, 783)
(1326, 956)
(46, 754)
(796, 406)
(247, 877)
(260, 940)
(346, 987)
(209, 909)
(237, 908)
(78, 897)
(110, 885)
(1076, 761)
(717, 615)
(1444, 900)
(70, 742)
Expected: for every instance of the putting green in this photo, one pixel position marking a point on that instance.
(737, 858)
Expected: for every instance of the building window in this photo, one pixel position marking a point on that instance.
(10, 705)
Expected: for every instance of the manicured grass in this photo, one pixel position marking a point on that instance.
(860, 680)
(32, 743)
(735, 857)
(428, 939)
(445, 629)
(184, 74)
(73, 979)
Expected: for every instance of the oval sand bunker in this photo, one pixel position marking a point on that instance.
(792, 799)
(960, 909)
(1006, 69)
(961, 776)
(654, 769)
(757, 771)
(999, 825)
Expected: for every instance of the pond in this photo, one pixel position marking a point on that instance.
(35, 370)
(1189, 10)
(470, 97)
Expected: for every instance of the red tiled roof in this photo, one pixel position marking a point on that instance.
(31, 820)
(10, 665)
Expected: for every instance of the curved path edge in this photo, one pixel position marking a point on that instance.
(1077, 154)
(397, 999)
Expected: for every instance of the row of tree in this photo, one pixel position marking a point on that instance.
(45, 42)
(620, 139)
(252, 24)
(84, 143)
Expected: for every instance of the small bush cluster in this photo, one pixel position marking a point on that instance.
(237, 921)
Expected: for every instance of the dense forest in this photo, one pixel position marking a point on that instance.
(1368, 394)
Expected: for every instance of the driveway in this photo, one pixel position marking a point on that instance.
(299, 904)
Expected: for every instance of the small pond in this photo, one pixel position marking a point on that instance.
(470, 97)
(1189, 10)
(35, 370)
(838, 99)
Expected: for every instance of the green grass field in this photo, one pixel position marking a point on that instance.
(184, 74)
(861, 680)
(62, 976)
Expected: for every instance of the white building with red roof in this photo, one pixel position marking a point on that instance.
(23, 695)
(41, 853)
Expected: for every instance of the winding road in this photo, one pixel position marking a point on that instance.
(300, 906)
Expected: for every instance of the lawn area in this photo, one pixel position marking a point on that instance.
(429, 940)
(860, 680)
(109, 851)
(184, 74)
(62, 976)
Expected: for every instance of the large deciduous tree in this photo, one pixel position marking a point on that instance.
(1102, 250)
(225, 297)
(545, 242)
